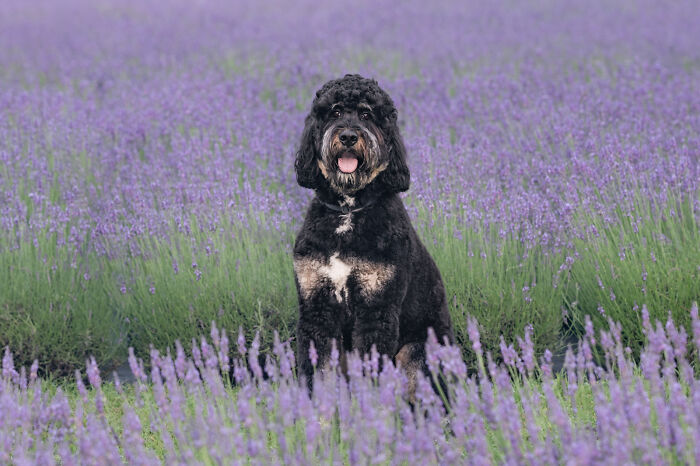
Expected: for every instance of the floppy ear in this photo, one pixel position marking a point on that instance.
(306, 165)
(396, 176)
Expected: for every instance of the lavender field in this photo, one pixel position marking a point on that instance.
(519, 412)
(146, 184)
(147, 190)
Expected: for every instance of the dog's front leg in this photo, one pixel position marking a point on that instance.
(379, 326)
(318, 322)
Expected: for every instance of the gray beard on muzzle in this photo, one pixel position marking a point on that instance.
(345, 183)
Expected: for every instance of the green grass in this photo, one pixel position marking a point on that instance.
(50, 311)
(649, 256)
(246, 280)
(489, 286)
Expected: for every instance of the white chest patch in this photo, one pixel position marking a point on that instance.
(338, 272)
(370, 277)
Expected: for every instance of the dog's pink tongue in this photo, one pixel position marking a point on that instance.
(347, 163)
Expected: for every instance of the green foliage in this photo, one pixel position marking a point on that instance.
(244, 279)
(60, 308)
(649, 255)
(497, 280)
(53, 308)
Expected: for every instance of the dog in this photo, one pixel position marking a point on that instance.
(362, 275)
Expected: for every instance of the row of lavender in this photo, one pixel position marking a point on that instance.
(517, 412)
(119, 125)
(146, 155)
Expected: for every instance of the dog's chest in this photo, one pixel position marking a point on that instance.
(343, 275)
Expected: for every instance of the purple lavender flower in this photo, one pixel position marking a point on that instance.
(696, 325)
(510, 356)
(81, 386)
(473, 331)
(33, 371)
(369, 405)
(432, 352)
(241, 342)
(313, 355)
(528, 349)
(112, 151)
(223, 352)
(600, 282)
(335, 356)
(180, 361)
(93, 373)
(8, 367)
(253, 357)
(136, 367)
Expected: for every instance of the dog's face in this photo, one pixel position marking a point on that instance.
(351, 139)
(351, 146)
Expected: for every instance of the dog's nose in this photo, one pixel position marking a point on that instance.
(348, 137)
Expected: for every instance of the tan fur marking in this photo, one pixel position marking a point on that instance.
(323, 169)
(374, 173)
(371, 277)
(307, 272)
(361, 145)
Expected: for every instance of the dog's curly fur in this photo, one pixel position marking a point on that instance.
(363, 277)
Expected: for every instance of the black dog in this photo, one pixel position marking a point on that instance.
(362, 275)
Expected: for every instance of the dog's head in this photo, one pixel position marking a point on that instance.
(351, 139)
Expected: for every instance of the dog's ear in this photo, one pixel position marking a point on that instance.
(306, 163)
(396, 175)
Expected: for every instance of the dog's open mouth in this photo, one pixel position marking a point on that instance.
(347, 162)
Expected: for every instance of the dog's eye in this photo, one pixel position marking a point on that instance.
(364, 116)
(335, 113)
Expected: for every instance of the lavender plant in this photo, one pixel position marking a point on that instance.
(514, 412)
(624, 266)
(146, 153)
